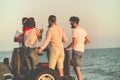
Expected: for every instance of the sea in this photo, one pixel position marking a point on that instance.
(97, 64)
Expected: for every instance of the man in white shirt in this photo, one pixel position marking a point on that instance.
(79, 39)
(18, 37)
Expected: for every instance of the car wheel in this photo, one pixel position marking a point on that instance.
(46, 74)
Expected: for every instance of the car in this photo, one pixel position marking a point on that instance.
(18, 70)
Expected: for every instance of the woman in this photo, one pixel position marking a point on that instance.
(32, 36)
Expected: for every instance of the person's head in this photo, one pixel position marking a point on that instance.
(24, 20)
(31, 19)
(74, 21)
(30, 22)
(52, 20)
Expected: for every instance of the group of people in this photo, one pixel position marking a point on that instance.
(28, 36)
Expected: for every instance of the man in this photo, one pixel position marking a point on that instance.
(79, 39)
(18, 53)
(55, 36)
(19, 33)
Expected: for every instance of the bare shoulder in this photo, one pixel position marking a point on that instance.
(37, 30)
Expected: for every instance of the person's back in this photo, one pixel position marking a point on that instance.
(31, 34)
(30, 38)
(54, 38)
(57, 36)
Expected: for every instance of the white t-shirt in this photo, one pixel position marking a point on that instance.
(17, 33)
(80, 34)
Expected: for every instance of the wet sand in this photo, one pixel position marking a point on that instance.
(3, 70)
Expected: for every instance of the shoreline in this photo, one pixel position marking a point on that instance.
(3, 70)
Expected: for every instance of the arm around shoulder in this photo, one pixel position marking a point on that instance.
(19, 39)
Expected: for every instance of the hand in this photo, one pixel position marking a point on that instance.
(20, 38)
(40, 50)
(67, 49)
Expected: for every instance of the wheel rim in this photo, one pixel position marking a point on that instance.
(46, 77)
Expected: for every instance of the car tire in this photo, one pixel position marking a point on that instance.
(46, 74)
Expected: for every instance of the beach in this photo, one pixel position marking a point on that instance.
(3, 70)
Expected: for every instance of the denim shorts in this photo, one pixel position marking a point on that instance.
(77, 57)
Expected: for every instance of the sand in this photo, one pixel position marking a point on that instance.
(3, 70)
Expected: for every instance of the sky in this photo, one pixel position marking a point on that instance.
(101, 19)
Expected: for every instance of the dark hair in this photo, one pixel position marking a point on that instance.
(30, 22)
(24, 19)
(31, 19)
(74, 19)
(52, 18)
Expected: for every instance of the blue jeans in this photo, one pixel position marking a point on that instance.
(31, 58)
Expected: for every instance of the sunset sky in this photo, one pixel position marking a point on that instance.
(101, 19)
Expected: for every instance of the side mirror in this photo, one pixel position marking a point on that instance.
(6, 61)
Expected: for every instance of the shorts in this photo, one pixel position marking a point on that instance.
(77, 57)
(56, 57)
